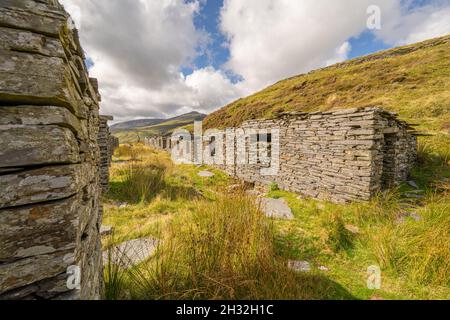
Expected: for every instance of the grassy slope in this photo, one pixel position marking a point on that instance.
(199, 220)
(413, 81)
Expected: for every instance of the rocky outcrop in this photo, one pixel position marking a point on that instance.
(50, 210)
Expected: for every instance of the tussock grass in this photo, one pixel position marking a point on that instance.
(140, 175)
(142, 182)
(128, 151)
(216, 244)
(223, 250)
(115, 279)
(417, 250)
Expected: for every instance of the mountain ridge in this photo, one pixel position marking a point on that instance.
(139, 123)
(128, 131)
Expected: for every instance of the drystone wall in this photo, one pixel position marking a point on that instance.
(107, 144)
(340, 156)
(50, 210)
(343, 155)
(159, 142)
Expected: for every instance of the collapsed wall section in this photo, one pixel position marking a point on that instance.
(49, 156)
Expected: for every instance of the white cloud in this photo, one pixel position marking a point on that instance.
(273, 39)
(404, 27)
(139, 46)
(211, 88)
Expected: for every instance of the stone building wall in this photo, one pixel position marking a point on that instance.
(159, 142)
(107, 144)
(50, 210)
(340, 156)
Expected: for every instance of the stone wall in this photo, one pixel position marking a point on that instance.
(340, 156)
(50, 210)
(107, 144)
(159, 142)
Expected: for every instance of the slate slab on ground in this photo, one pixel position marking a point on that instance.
(275, 208)
(130, 253)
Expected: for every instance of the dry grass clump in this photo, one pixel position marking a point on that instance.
(142, 182)
(223, 250)
(218, 245)
(417, 250)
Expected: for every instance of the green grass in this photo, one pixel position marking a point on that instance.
(216, 243)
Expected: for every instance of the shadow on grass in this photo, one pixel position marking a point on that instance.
(320, 287)
(122, 285)
(118, 192)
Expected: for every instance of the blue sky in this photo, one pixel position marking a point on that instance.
(217, 54)
(208, 19)
(157, 58)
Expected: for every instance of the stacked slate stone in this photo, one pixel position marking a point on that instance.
(158, 142)
(399, 149)
(49, 156)
(107, 144)
(341, 155)
(337, 155)
(113, 143)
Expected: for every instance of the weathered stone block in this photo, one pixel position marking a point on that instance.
(36, 79)
(29, 270)
(43, 184)
(34, 145)
(39, 229)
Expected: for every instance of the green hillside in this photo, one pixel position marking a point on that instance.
(135, 134)
(413, 80)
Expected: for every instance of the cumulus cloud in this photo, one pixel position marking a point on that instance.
(211, 88)
(403, 26)
(273, 39)
(139, 46)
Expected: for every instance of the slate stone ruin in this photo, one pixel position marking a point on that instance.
(340, 155)
(54, 154)
(107, 143)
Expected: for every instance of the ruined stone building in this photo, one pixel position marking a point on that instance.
(160, 142)
(54, 154)
(340, 156)
(107, 143)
